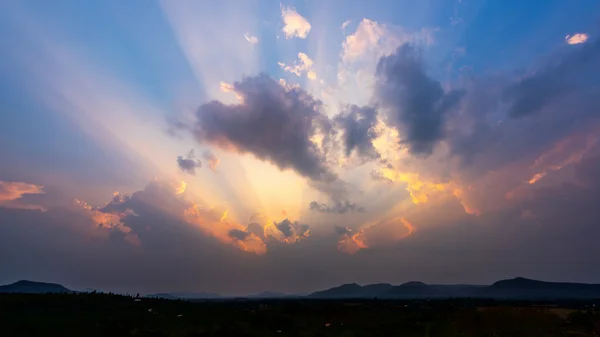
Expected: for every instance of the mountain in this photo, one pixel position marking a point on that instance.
(190, 296)
(184, 296)
(33, 288)
(351, 290)
(270, 294)
(533, 289)
(518, 288)
(165, 296)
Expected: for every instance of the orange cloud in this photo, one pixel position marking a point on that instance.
(102, 221)
(418, 188)
(375, 234)
(12, 190)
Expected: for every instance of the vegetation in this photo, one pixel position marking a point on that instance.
(90, 314)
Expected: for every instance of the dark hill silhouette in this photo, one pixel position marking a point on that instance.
(518, 288)
(269, 294)
(32, 287)
(351, 290)
(526, 288)
(165, 296)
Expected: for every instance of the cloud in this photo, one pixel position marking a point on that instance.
(238, 234)
(13, 190)
(378, 39)
(250, 38)
(576, 38)
(274, 124)
(212, 160)
(367, 36)
(262, 228)
(338, 207)
(562, 76)
(293, 231)
(375, 234)
(345, 24)
(295, 25)
(304, 66)
(342, 230)
(225, 87)
(379, 176)
(111, 220)
(357, 125)
(189, 164)
(416, 105)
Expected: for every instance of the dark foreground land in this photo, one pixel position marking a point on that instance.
(113, 315)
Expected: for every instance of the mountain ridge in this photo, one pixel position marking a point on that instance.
(515, 288)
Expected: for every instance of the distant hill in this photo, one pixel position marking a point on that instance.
(185, 296)
(351, 290)
(269, 294)
(33, 288)
(518, 288)
(166, 296)
(533, 289)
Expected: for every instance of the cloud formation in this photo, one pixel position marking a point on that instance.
(553, 80)
(358, 128)
(338, 207)
(382, 233)
(189, 164)
(295, 25)
(273, 123)
(303, 66)
(415, 104)
(250, 38)
(576, 38)
(13, 190)
(211, 159)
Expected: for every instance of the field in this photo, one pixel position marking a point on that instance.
(114, 315)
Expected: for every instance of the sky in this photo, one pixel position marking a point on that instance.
(242, 146)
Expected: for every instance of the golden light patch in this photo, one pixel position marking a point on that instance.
(536, 177)
(181, 187)
(223, 217)
(418, 189)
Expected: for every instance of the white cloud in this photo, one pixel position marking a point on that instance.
(304, 66)
(362, 50)
(250, 38)
(576, 38)
(345, 24)
(295, 24)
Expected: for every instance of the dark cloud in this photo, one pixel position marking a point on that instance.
(189, 164)
(238, 234)
(273, 123)
(490, 132)
(559, 77)
(339, 207)
(357, 125)
(292, 229)
(415, 104)
(342, 230)
(335, 190)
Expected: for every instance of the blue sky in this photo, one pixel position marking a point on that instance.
(379, 132)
